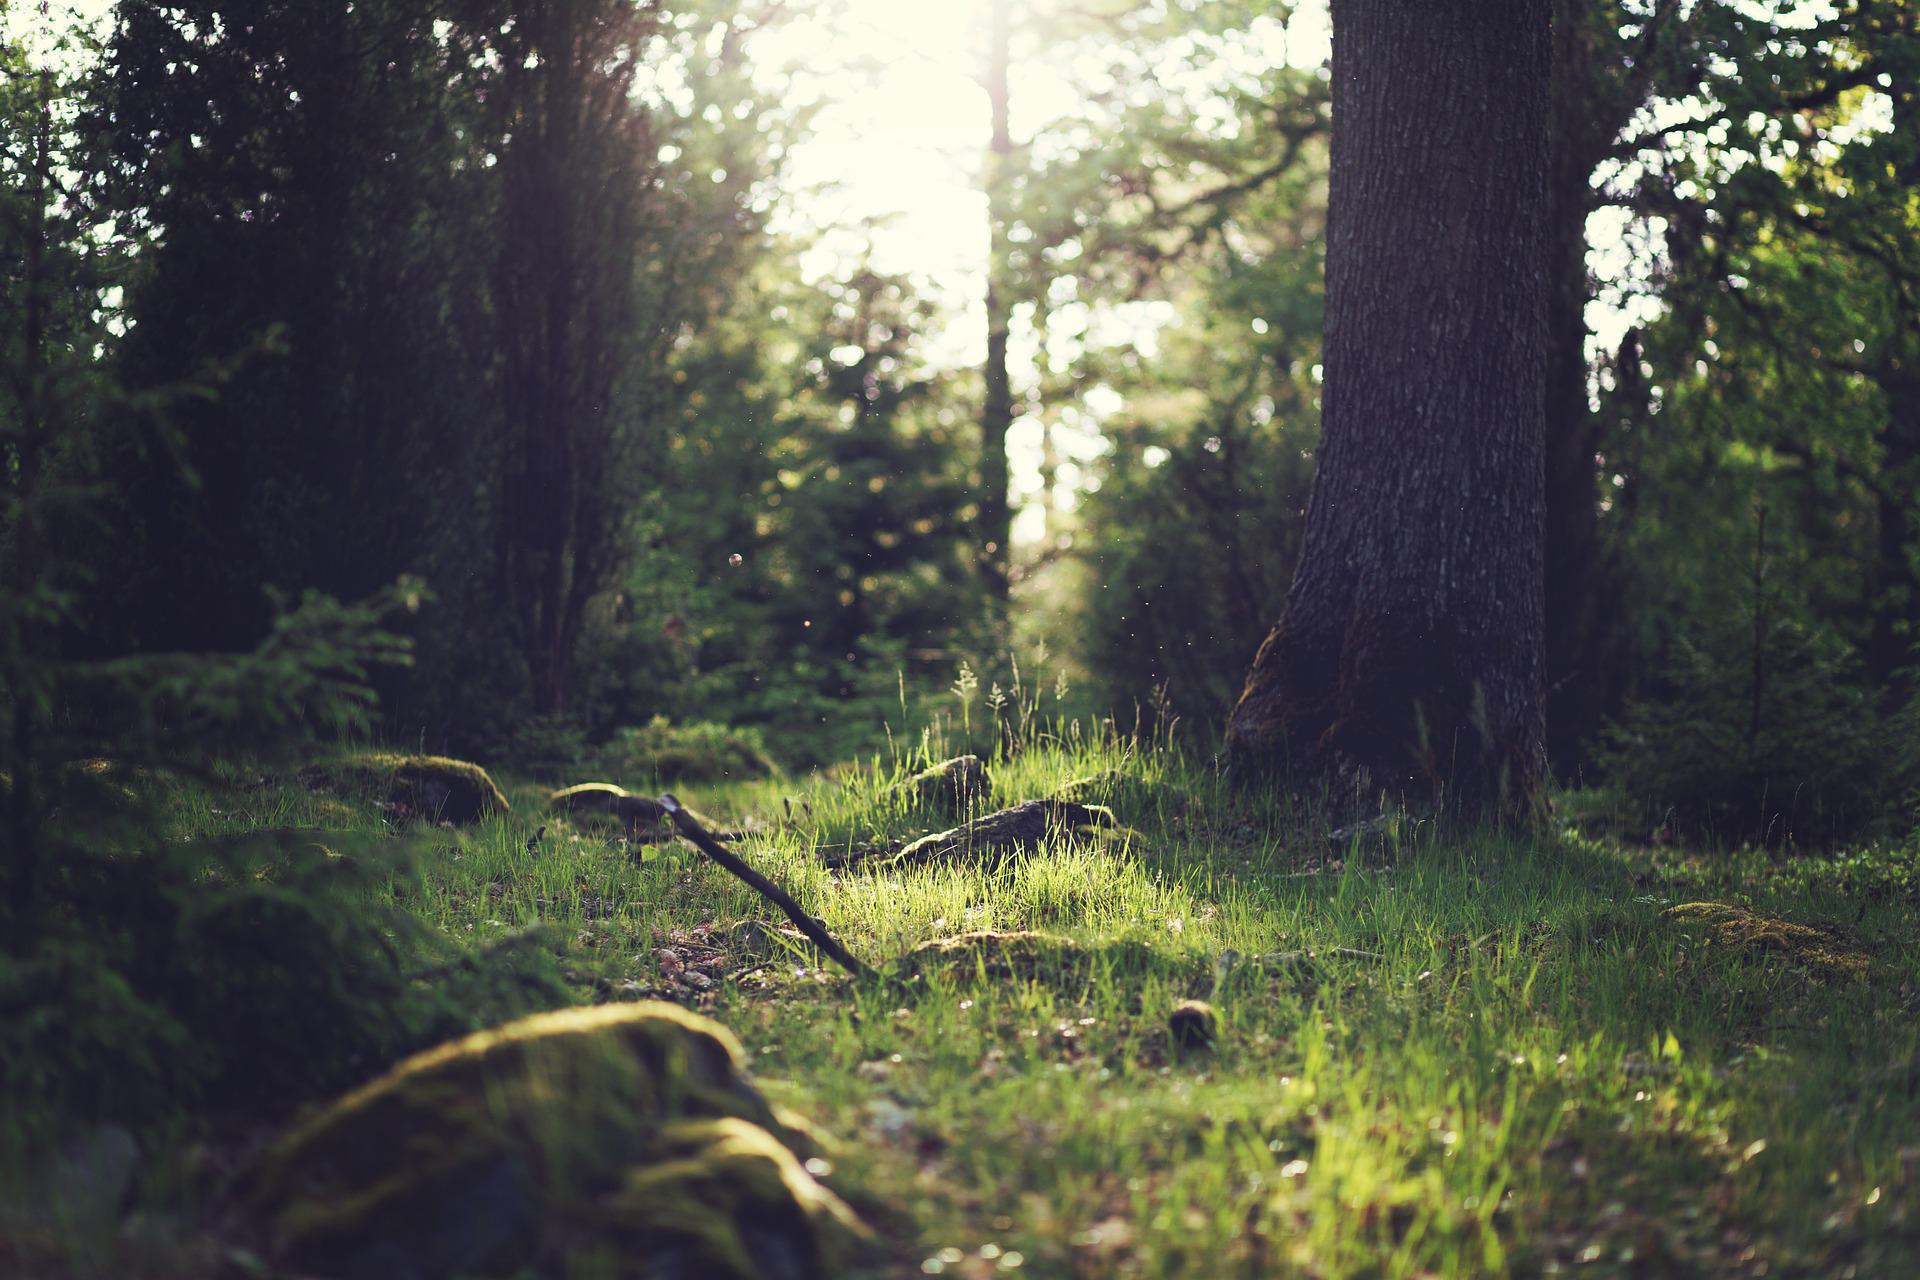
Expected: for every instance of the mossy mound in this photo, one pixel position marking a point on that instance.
(952, 787)
(623, 1140)
(994, 837)
(437, 788)
(588, 800)
(1744, 929)
(643, 818)
(94, 787)
(1047, 958)
(722, 1198)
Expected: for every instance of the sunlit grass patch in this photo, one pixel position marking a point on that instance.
(1431, 1056)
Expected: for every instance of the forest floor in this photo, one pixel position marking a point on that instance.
(1432, 1059)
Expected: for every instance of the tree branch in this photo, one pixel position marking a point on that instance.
(815, 929)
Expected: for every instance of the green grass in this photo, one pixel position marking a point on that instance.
(1529, 1071)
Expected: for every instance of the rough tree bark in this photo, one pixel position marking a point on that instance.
(1408, 660)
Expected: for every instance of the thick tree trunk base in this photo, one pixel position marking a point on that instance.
(1392, 719)
(1406, 670)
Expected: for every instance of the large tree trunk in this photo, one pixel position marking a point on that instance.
(1408, 660)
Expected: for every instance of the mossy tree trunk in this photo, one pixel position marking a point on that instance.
(1409, 657)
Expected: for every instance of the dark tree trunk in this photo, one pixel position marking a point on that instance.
(572, 183)
(1408, 660)
(1894, 593)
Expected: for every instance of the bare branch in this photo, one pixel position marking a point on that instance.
(815, 929)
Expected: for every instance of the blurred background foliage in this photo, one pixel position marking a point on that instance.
(499, 298)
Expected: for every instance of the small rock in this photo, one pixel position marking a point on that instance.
(638, 814)
(1193, 1025)
(892, 1120)
(94, 1172)
(436, 788)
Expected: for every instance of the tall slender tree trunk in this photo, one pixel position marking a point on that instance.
(996, 410)
(21, 861)
(1409, 658)
(573, 177)
(1894, 591)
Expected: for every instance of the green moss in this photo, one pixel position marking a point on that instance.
(1006, 833)
(587, 801)
(436, 788)
(511, 1147)
(1744, 929)
(725, 1201)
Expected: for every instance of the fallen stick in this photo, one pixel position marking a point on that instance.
(816, 930)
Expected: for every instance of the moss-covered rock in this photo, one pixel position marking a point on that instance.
(437, 788)
(1741, 928)
(997, 836)
(642, 817)
(952, 787)
(589, 800)
(627, 1134)
(723, 1198)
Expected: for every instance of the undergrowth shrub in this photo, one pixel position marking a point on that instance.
(685, 752)
(143, 978)
(235, 980)
(547, 748)
(1793, 748)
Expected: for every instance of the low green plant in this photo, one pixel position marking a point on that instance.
(1788, 744)
(662, 752)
